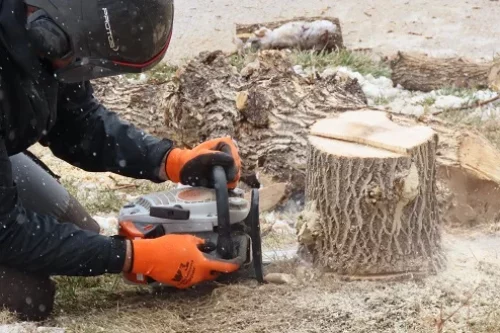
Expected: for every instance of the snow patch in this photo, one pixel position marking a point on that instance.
(108, 224)
(449, 102)
(381, 91)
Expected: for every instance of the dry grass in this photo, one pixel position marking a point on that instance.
(486, 122)
(6, 318)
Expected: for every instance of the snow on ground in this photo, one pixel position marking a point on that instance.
(380, 91)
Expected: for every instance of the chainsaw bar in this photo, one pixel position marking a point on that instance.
(253, 225)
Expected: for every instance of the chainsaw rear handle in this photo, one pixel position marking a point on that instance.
(224, 241)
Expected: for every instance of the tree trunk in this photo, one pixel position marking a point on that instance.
(372, 185)
(421, 73)
(312, 34)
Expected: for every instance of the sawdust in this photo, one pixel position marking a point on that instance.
(313, 303)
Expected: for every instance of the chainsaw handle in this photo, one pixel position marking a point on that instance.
(224, 242)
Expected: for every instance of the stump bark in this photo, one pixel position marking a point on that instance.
(371, 185)
(419, 72)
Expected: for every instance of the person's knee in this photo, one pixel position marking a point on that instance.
(29, 297)
(78, 215)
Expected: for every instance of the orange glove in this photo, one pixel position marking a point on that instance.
(176, 260)
(194, 166)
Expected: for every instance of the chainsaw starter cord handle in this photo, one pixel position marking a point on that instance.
(224, 242)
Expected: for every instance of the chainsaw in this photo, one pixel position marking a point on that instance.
(227, 222)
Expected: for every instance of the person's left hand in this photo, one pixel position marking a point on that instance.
(194, 166)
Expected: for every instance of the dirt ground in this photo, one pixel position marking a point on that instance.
(440, 28)
(464, 297)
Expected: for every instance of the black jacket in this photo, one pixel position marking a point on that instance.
(78, 129)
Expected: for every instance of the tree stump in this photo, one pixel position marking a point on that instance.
(371, 197)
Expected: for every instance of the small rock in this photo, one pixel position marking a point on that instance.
(109, 225)
(50, 330)
(249, 69)
(280, 278)
(282, 227)
(298, 69)
(328, 72)
(29, 328)
(449, 102)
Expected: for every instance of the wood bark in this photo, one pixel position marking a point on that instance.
(422, 73)
(373, 188)
(327, 42)
(141, 104)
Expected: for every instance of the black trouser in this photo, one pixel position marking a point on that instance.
(28, 295)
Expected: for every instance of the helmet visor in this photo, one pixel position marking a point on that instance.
(90, 69)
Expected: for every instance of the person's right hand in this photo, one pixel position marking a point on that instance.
(176, 260)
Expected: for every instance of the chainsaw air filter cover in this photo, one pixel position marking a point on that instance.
(184, 209)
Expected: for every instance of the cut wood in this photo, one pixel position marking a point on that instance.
(303, 33)
(377, 131)
(414, 71)
(376, 208)
(270, 196)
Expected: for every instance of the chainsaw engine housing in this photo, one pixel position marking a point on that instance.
(183, 210)
(203, 212)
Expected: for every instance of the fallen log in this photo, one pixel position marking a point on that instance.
(419, 72)
(302, 33)
(372, 185)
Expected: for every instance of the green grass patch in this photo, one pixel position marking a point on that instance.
(356, 61)
(76, 294)
(428, 101)
(94, 200)
(157, 75)
(321, 60)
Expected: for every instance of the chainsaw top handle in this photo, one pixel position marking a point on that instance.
(224, 241)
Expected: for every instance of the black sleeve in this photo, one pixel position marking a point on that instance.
(40, 244)
(89, 136)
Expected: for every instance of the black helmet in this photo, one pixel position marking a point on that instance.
(103, 37)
